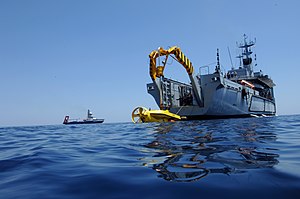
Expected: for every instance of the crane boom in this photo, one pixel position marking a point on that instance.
(158, 71)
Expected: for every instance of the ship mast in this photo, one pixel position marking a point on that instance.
(246, 52)
(89, 114)
(218, 69)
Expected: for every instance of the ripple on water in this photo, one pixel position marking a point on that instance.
(234, 158)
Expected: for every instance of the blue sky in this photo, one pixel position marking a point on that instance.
(61, 57)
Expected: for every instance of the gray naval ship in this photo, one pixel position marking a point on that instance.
(239, 92)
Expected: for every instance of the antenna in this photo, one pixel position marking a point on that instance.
(230, 58)
(218, 61)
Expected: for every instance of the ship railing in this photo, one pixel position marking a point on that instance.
(74, 120)
(240, 77)
(205, 70)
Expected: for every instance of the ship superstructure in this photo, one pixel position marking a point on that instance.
(239, 92)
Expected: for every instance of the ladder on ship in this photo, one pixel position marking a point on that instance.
(166, 94)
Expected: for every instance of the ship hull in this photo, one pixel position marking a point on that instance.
(222, 98)
(84, 122)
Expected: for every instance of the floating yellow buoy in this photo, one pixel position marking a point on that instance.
(142, 114)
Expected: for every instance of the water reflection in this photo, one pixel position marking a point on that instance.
(189, 151)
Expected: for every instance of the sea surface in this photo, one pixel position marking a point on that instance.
(232, 158)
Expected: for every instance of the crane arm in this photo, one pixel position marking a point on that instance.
(157, 71)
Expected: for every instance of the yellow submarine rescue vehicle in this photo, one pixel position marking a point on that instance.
(142, 114)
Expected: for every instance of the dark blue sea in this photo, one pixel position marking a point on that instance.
(233, 158)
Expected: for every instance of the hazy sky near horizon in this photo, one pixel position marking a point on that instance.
(60, 57)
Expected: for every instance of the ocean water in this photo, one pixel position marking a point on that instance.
(232, 158)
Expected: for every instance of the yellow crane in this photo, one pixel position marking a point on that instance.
(142, 114)
(157, 71)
